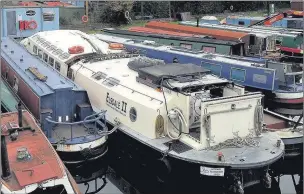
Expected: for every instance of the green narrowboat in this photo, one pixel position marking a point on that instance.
(204, 43)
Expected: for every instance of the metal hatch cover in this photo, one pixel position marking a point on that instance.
(36, 174)
(173, 69)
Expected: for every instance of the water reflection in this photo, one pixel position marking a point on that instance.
(96, 177)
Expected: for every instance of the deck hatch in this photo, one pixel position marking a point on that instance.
(35, 174)
(178, 146)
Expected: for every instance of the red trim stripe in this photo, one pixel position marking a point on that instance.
(293, 50)
(290, 101)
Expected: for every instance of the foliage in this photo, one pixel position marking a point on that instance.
(114, 11)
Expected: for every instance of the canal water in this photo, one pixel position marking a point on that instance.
(91, 179)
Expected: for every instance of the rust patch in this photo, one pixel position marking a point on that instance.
(44, 162)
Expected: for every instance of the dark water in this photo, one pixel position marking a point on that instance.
(91, 178)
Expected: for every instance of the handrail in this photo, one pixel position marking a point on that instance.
(48, 118)
(100, 115)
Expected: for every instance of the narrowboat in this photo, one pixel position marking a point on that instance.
(167, 117)
(255, 43)
(194, 42)
(281, 82)
(8, 99)
(292, 23)
(290, 42)
(29, 162)
(59, 105)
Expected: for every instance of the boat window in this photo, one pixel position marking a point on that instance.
(214, 68)
(39, 53)
(133, 114)
(252, 40)
(111, 82)
(241, 23)
(35, 49)
(15, 83)
(237, 74)
(99, 75)
(259, 78)
(45, 57)
(57, 66)
(51, 61)
(6, 73)
(208, 49)
(187, 46)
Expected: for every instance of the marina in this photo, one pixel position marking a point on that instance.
(185, 104)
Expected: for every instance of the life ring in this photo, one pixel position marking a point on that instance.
(32, 25)
(116, 46)
(76, 49)
(84, 18)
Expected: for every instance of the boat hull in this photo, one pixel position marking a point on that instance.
(85, 155)
(150, 172)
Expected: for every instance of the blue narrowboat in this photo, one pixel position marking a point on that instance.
(281, 82)
(58, 104)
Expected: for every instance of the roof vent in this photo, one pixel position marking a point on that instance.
(23, 154)
(12, 52)
(5, 45)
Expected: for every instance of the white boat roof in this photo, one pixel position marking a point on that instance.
(64, 39)
(118, 69)
(216, 57)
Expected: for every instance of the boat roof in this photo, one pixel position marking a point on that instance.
(44, 162)
(254, 29)
(156, 33)
(118, 71)
(58, 43)
(184, 51)
(223, 34)
(54, 81)
(245, 17)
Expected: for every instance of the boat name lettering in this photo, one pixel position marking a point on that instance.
(120, 106)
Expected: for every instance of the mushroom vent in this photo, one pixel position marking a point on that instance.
(23, 154)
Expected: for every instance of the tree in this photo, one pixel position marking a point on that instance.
(114, 11)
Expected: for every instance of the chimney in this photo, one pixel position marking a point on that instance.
(19, 114)
(6, 171)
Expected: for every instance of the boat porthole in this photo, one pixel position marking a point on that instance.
(133, 114)
(159, 125)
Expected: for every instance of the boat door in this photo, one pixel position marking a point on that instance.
(11, 26)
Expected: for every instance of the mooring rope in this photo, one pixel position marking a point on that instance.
(236, 142)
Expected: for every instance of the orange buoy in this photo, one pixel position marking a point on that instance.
(76, 49)
(116, 46)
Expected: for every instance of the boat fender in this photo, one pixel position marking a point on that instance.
(163, 169)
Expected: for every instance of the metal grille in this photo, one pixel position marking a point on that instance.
(178, 146)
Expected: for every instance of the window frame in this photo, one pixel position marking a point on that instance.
(50, 59)
(45, 57)
(40, 52)
(35, 49)
(235, 68)
(57, 64)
